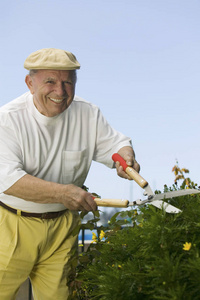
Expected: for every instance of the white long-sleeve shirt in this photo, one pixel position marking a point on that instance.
(58, 149)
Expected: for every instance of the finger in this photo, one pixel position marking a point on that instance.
(87, 203)
(129, 160)
(136, 166)
(92, 204)
(121, 172)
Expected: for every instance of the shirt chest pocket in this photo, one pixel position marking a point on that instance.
(74, 167)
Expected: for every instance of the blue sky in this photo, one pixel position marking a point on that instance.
(140, 63)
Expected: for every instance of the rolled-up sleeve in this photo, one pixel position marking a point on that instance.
(108, 141)
(11, 161)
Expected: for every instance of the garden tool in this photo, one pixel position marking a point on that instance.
(154, 199)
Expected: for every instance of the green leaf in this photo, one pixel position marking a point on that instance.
(113, 219)
(96, 213)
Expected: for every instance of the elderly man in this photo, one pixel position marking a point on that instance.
(48, 139)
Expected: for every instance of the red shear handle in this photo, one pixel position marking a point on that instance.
(117, 157)
(130, 171)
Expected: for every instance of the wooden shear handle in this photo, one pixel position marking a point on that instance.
(111, 202)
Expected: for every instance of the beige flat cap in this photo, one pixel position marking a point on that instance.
(51, 59)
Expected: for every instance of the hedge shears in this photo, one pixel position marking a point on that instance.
(154, 199)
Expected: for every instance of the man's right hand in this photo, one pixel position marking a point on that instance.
(75, 198)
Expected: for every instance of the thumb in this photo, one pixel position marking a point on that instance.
(129, 160)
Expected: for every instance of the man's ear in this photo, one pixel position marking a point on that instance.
(29, 83)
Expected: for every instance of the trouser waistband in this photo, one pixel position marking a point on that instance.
(46, 215)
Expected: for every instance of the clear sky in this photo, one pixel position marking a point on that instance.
(140, 63)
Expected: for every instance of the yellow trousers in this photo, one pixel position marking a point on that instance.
(43, 250)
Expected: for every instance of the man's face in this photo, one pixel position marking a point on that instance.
(52, 90)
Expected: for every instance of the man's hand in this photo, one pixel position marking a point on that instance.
(75, 198)
(129, 156)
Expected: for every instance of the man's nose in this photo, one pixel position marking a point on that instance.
(60, 89)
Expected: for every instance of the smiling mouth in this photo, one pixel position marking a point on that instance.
(57, 100)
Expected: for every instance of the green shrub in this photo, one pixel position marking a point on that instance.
(144, 254)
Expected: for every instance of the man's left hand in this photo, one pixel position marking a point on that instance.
(128, 155)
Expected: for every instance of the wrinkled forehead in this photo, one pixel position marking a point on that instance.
(62, 75)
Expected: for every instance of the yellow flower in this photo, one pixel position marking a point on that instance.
(102, 234)
(94, 238)
(119, 266)
(187, 246)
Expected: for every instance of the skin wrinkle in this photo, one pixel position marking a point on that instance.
(46, 85)
(73, 74)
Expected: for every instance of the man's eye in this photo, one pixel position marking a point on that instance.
(50, 81)
(68, 82)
